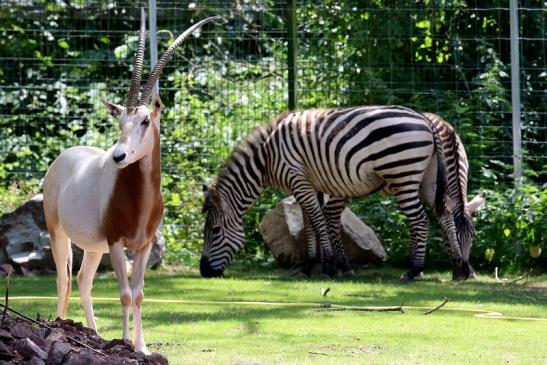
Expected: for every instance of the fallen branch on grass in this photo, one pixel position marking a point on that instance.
(337, 308)
(446, 300)
(525, 276)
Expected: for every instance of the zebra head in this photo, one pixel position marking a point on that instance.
(465, 236)
(223, 233)
(465, 231)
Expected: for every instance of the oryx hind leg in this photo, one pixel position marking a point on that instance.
(62, 255)
(90, 263)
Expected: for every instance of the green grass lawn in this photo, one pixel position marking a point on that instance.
(212, 321)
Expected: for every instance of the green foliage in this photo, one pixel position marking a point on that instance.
(59, 59)
(511, 228)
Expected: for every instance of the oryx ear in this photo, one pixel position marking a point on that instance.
(156, 103)
(114, 109)
(157, 106)
(476, 202)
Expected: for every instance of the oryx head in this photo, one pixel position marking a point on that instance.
(139, 126)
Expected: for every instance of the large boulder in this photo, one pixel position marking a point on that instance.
(25, 242)
(283, 231)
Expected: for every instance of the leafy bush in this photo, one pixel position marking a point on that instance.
(511, 228)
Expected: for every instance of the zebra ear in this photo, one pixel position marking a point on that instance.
(476, 202)
(212, 198)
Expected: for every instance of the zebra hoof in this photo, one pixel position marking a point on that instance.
(325, 276)
(405, 278)
(348, 273)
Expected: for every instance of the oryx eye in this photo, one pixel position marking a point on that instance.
(145, 122)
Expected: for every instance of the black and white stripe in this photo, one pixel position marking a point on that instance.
(344, 153)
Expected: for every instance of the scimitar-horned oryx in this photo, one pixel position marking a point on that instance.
(108, 201)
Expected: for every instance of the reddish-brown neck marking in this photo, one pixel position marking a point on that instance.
(136, 202)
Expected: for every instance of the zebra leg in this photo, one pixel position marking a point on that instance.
(311, 242)
(461, 269)
(333, 213)
(419, 226)
(306, 197)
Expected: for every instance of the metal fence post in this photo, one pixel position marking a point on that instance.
(515, 90)
(292, 52)
(153, 42)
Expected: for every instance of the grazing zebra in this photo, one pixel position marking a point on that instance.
(455, 196)
(345, 153)
(457, 168)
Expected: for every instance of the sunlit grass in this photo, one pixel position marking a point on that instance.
(198, 330)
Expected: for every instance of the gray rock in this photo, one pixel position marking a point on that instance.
(28, 349)
(282, 228)
(25, 242)
(35, 361)
(57, 353)
(22, 330)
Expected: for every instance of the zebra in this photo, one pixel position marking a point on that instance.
(344, 153)
(456, 195)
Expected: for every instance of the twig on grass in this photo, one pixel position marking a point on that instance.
(318, 353)
(51, 329)
(524, 297)
(446, 300)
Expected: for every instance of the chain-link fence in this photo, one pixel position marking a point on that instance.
(58, 59)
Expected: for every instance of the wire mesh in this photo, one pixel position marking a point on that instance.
(59, 59)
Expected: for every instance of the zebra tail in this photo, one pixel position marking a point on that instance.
(440, 191)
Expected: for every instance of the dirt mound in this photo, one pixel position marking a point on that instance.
(24, 343)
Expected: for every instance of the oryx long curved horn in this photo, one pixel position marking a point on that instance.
(166, 57)
(133, 96)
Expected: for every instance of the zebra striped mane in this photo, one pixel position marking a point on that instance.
(248, 147)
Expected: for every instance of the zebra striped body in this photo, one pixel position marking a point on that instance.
(344, 153)
(458, 211)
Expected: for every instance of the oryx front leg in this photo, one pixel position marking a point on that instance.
(137, 288)
(85, 277)
(117, 258)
